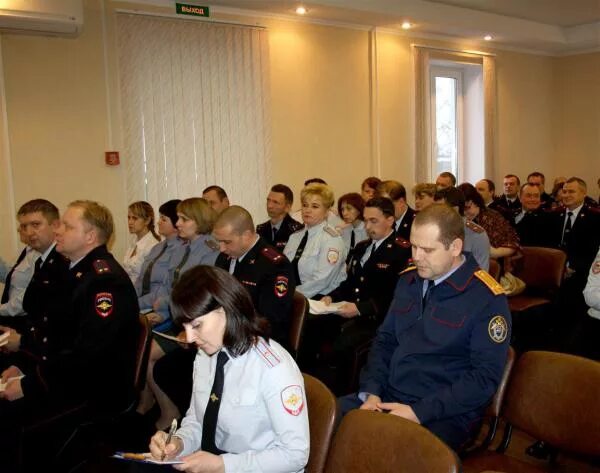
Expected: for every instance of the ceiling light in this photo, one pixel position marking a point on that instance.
(488, 37)
(301, 11)
(406, 25)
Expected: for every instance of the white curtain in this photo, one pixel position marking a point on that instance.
(195, 109)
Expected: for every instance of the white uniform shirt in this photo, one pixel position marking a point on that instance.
(18, 284)
(263, 421)
(592, 289)
(360, 233)
(133, 264)
(322, 264)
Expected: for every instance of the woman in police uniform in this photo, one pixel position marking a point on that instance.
(254, 417)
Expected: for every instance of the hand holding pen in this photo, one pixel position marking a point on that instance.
(172, 431)
(160, 441)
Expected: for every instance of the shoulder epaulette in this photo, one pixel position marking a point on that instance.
(101, 266)
(473, 226)
(407, 269)
(260, 226)
(267, 354)
(402, 242)
(272, 255)
(212, 244)
(332, 231)
(487, 279)
(295, 225)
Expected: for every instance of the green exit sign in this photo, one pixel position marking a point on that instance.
(194, 10)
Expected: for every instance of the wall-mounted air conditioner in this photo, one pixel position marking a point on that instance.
(42, 17)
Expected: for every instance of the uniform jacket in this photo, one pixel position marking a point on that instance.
(533, 228)
(403, 230)
(21, 276)
(371, 286)
(445, 361)
(288, 226)
(98, 362)
(321, 266)
(263, 421)
(267, 275)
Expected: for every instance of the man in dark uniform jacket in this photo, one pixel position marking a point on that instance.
(510, 199)
(96, 362)
(536, 178)
(265, 273)
(531, 222)
(277, 230)
(439, 355)
(403, 214)
(373, 271)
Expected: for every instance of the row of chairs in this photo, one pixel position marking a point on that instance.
(549, 396)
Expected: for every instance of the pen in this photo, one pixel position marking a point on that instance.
(169, 436)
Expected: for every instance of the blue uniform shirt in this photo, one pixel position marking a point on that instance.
(445, 361)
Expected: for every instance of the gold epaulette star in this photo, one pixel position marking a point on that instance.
(213, 397)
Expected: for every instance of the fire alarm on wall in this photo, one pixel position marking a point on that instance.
(112, 158)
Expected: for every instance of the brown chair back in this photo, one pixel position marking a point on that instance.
(322, 416)
(553, 397)
(541, 268)
(494, 269)
(299, 307)
(373, 442)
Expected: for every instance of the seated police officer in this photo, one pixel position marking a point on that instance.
(439, 355)
(277, 230)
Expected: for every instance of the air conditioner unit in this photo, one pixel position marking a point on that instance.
(42, 17)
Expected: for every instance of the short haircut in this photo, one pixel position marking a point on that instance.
(384, 204)
(394, 189)
(98, 216)
(314, 180)
(471, 194)
(537, 174)
(238, 217)
(45, 207)
(203, 289)
(286, 191)
(527, 184)
(321, 190)
(579, 181)
(424, 188)
(453, 197)
(355, 200)
(200, 212)
(218, 190)
(491, 185)
(371, 182)
(449, 223)
(449, 175)
(144, 210)
(169, 209)
(516, 177)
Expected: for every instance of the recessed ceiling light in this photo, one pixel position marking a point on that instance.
(301, 11)
(488, 37)
(406, 25)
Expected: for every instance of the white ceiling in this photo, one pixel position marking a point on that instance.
(555, 27)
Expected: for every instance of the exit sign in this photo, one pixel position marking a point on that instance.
(194, 10)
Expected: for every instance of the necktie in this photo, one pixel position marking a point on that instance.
(567, 230)
(148, 273)
(5, 292)
(428, 291)
(352, 239)
(273, 233)
(298, 255)
(186, 255)
(370, 252)
(211, 414)
(38, 265)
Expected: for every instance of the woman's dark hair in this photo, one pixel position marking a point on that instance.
(203, 289)
(355, 200)
(472, 195)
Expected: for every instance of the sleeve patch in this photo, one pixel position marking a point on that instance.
(498, 329)
(104, 304)
(487, 279)
(333, 255)
(292, 399)
(281, 286)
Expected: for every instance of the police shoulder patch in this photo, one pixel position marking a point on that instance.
(407, 269)
(498, 328)
(272, 255)
(281, 286)
(402, 242)
(332, 231)
(292, 399)
(474, 227)
(104, 304)
(487, 279)
(101, 266)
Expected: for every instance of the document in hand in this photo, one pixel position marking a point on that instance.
(144, 458)
(318, 307)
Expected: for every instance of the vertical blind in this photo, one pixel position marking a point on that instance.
(195, 109)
